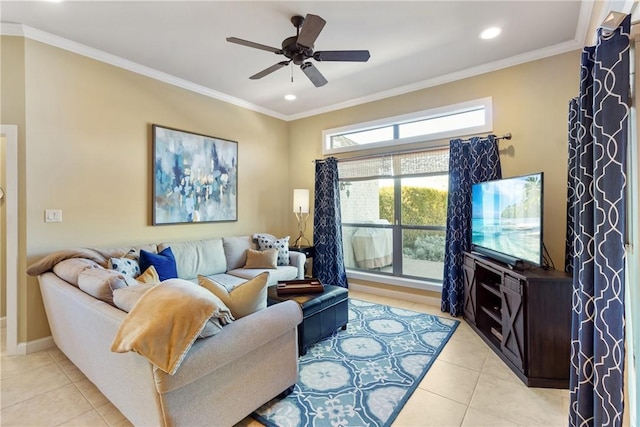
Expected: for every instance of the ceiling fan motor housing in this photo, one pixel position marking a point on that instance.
(292, 50)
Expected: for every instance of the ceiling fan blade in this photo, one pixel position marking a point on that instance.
(314, 75)
(254, 45)
(342, 55)
(310, 31)
(269, 70)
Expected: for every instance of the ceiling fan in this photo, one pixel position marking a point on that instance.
(299, 49)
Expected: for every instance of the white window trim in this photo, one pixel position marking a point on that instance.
(462, 107)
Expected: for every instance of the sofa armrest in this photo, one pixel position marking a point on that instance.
(235, 340)
(298, 259)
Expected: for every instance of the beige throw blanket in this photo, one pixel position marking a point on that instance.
(166, 321)
(100, 256)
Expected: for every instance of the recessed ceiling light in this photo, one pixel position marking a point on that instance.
(490, 33)
(290, 97)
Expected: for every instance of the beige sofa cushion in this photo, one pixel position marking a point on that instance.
(126, 298)
(100, 283)
(235, 250)
(70, 269)
(249, 297)
(280, 273)
(205, 257)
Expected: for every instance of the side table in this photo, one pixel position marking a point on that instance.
(322, 313)
(309, 252)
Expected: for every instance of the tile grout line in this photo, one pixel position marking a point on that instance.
(93, 408)
(475, 389)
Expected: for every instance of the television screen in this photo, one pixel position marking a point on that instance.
(507, 218)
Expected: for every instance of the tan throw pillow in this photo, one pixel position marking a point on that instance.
(150, 276)
(262, 259)
(100, 283)
(247, 298)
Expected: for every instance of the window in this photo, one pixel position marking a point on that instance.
(467, 118)
(394, 205)
(394, 211)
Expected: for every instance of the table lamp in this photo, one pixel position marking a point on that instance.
(301, 209)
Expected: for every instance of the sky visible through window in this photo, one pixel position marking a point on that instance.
(428, 126)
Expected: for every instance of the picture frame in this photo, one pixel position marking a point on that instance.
(195, 177)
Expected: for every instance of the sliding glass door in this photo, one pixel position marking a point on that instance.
(395, 224)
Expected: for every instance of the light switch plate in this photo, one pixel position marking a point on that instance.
(53, 215)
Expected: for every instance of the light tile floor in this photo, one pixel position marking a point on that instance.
(468, 385)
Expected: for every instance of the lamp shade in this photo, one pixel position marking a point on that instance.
(300, 200)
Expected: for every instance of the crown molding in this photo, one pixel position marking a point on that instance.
(440, 80)
(11, 29)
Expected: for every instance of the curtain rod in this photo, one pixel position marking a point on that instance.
(507, 136)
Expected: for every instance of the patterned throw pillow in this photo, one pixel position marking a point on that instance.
(125, 266)
(266, 242)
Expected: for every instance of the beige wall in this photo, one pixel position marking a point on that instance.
(529, 100)
(85, 148)
(12, 112)
(88, 152)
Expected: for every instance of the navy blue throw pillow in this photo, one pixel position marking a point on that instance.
(164, 262)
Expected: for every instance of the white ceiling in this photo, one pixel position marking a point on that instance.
(413, 44)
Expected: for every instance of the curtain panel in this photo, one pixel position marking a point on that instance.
(470, 162)
(328, 261)
(596, 214)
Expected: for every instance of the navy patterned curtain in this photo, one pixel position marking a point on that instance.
(597, 179)
(328, 261)
(469, 162)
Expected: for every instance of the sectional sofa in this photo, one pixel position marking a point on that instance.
(222, 378)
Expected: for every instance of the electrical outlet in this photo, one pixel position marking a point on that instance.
(53, 215)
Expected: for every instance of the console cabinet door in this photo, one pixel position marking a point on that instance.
(513, 322)
(469, 290)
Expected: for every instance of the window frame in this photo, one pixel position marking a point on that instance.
(398, 275)
(448, 110)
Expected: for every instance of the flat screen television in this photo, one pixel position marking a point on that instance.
(506, 219)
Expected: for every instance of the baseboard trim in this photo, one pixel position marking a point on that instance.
(36, 345)
(422, 299)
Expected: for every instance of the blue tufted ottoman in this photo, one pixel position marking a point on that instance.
(323, 313)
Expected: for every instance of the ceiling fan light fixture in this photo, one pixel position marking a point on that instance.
(300, 48)
(490, 33)
(290, 97)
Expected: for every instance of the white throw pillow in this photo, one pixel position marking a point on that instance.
(127, 266)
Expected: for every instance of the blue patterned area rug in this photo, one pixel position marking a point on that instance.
(364, 375)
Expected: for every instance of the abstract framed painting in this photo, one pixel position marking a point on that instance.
(195, 177)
